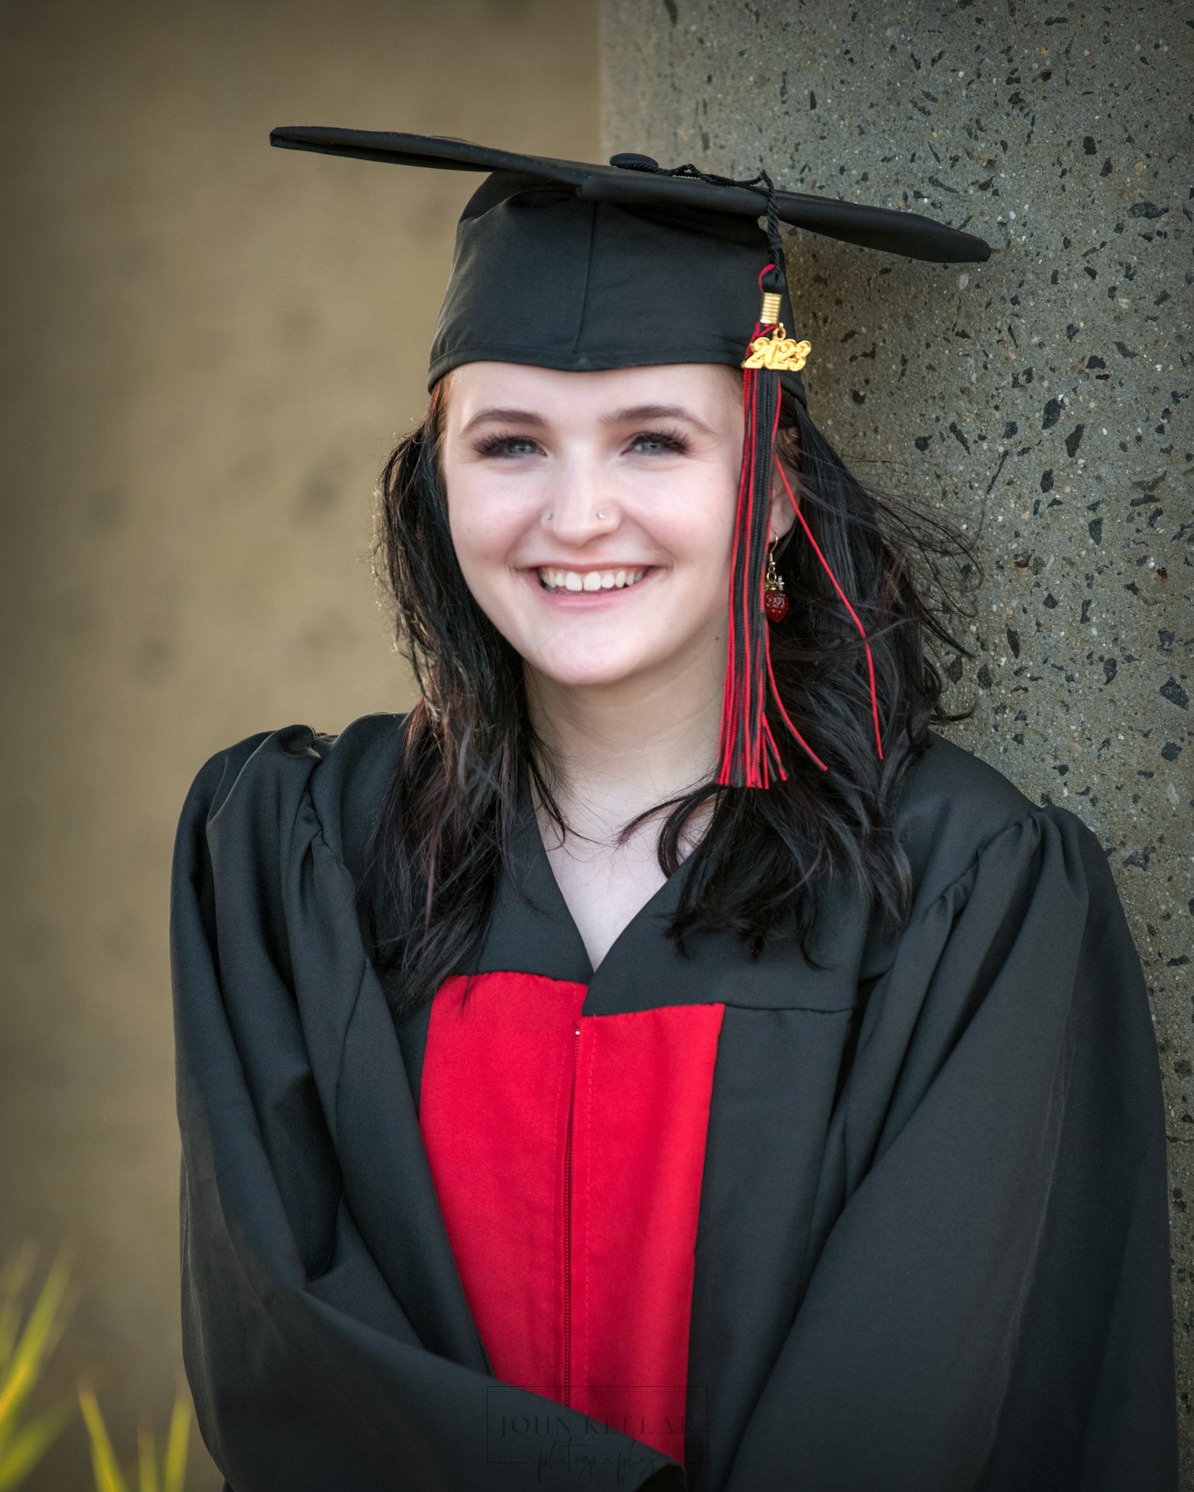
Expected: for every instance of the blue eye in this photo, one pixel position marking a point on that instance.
(659, 443)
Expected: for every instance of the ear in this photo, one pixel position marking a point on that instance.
(782, 516)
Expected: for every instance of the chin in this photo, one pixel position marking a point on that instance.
(613, 661)
(603, 677)
(600, 671)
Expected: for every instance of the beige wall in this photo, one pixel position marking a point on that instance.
(208, 349)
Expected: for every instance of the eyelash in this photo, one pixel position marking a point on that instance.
(673, 444)
(498, 445)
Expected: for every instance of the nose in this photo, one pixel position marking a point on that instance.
(580, 507)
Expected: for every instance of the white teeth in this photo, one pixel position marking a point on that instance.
(589, 580)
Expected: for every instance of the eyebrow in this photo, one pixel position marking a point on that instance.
(639, 412)
(503, 417)
(633, 414)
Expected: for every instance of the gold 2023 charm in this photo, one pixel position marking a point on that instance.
(778, 351)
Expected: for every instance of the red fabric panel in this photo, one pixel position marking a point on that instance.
(493, 1110)
(502, 1075)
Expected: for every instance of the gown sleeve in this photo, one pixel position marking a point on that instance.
(991, 1306)
(318, 1360)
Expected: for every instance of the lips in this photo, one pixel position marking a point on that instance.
(575, 582)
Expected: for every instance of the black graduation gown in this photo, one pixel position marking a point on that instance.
(932, 1248)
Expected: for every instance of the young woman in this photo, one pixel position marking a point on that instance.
(658, 1060)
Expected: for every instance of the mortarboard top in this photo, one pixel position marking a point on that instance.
(906, 233)
(576, 266)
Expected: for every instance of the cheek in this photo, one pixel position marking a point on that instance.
(702, 523)
(718, 535)
(483, 524)
(488, 531)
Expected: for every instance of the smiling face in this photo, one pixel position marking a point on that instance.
(592, 515)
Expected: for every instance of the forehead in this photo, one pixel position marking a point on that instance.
(709, 390)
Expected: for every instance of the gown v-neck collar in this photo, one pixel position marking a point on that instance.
(531, 930)
(535, 894)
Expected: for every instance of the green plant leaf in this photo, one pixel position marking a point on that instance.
(147, 1462)
(13, 1279)
(36, 1341)
(29, 1444)
(175, 1466)
(103, 1457)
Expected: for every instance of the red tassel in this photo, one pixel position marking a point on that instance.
(748, 755)
(842, 597)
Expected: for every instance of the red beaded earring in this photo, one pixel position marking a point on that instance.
(775, 603)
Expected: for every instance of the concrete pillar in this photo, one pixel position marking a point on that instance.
(1039, 401)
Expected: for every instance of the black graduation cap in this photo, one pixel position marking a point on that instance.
(577, 266)
(562, 264)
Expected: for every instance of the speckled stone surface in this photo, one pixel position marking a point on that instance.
(1040, 401)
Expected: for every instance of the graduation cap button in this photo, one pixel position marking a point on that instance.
(630, 160)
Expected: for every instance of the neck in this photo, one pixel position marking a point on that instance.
(619, 750)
